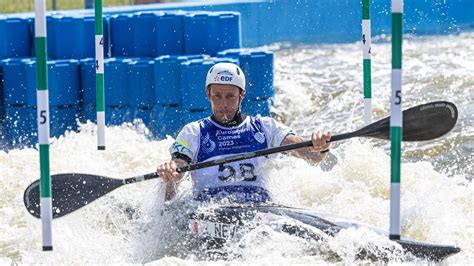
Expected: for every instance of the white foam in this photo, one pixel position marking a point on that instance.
(127, 225)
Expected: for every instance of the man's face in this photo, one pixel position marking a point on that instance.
(225, 100)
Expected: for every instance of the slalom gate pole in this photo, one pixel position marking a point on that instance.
(99, 78)
(366, 43)
(42, 99)
(396, 118)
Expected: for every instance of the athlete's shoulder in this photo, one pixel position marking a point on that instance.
(195, 125)
(187, 140)
(264, 120)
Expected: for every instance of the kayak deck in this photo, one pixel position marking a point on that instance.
(225, 223)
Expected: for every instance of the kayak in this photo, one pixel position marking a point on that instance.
(213, 227)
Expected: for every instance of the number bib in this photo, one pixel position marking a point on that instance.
(241, 181)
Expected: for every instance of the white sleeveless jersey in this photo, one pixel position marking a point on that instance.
(239, 181)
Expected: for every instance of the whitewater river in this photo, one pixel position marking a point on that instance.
(317, 87)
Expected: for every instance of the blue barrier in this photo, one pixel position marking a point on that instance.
(117, 99)
(15, 38)
(87, 74)
(167, 76)
(166, 121)
(257, 107)
(15, 88)
(71, 37)
(115, 83)
(143, 113)
(210, 33)
(168, 79)
(116, 88)
(169, 33)
(69, 45)
(229, 32)
(21, 123)
(157, 33)
(147, 34)
(89, 113)
(20, 126)
(151, 34)
(19, 80)
(194, 115)
(64, 84)
(2, 97)
(63, 118)
(63, 81)
(89, 36)
(257, 65)
(121, 35)
(117, 115)
(3, 137)
(193, 82)
(141, 83)
(315, 21)
(114, 115)
(144, 34)
(142, 89)
(50, 34)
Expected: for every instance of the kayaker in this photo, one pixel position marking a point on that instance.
(227, 132)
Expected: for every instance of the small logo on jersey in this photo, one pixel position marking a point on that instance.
(179, 148)
(259, 137)
(208, 144)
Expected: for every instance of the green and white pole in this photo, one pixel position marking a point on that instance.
(396, 118)
(99, 78)
(366, 43)
(43, 123)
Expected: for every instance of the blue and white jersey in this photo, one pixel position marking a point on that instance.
(240, 181)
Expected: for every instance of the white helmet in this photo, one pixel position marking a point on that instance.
(226, 73)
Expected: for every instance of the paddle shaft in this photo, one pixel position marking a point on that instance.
(235, 158)
(254, 154)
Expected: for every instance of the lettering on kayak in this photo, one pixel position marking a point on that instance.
(426, 107)
(210, 229)
(225, 231)
(195, 228)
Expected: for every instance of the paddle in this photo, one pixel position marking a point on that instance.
(73, 191)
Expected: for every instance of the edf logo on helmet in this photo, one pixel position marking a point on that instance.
(225, 76)
(229, 173)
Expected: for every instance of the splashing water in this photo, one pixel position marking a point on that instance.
(318, 87)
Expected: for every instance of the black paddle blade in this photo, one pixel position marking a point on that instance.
(428, 251)
(69, 192)
(422, 122)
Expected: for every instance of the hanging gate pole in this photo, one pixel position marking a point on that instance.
(366, 46)
(99, 80)
(396, 118)
(43, 122)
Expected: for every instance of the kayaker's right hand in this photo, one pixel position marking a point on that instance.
(167, 171)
